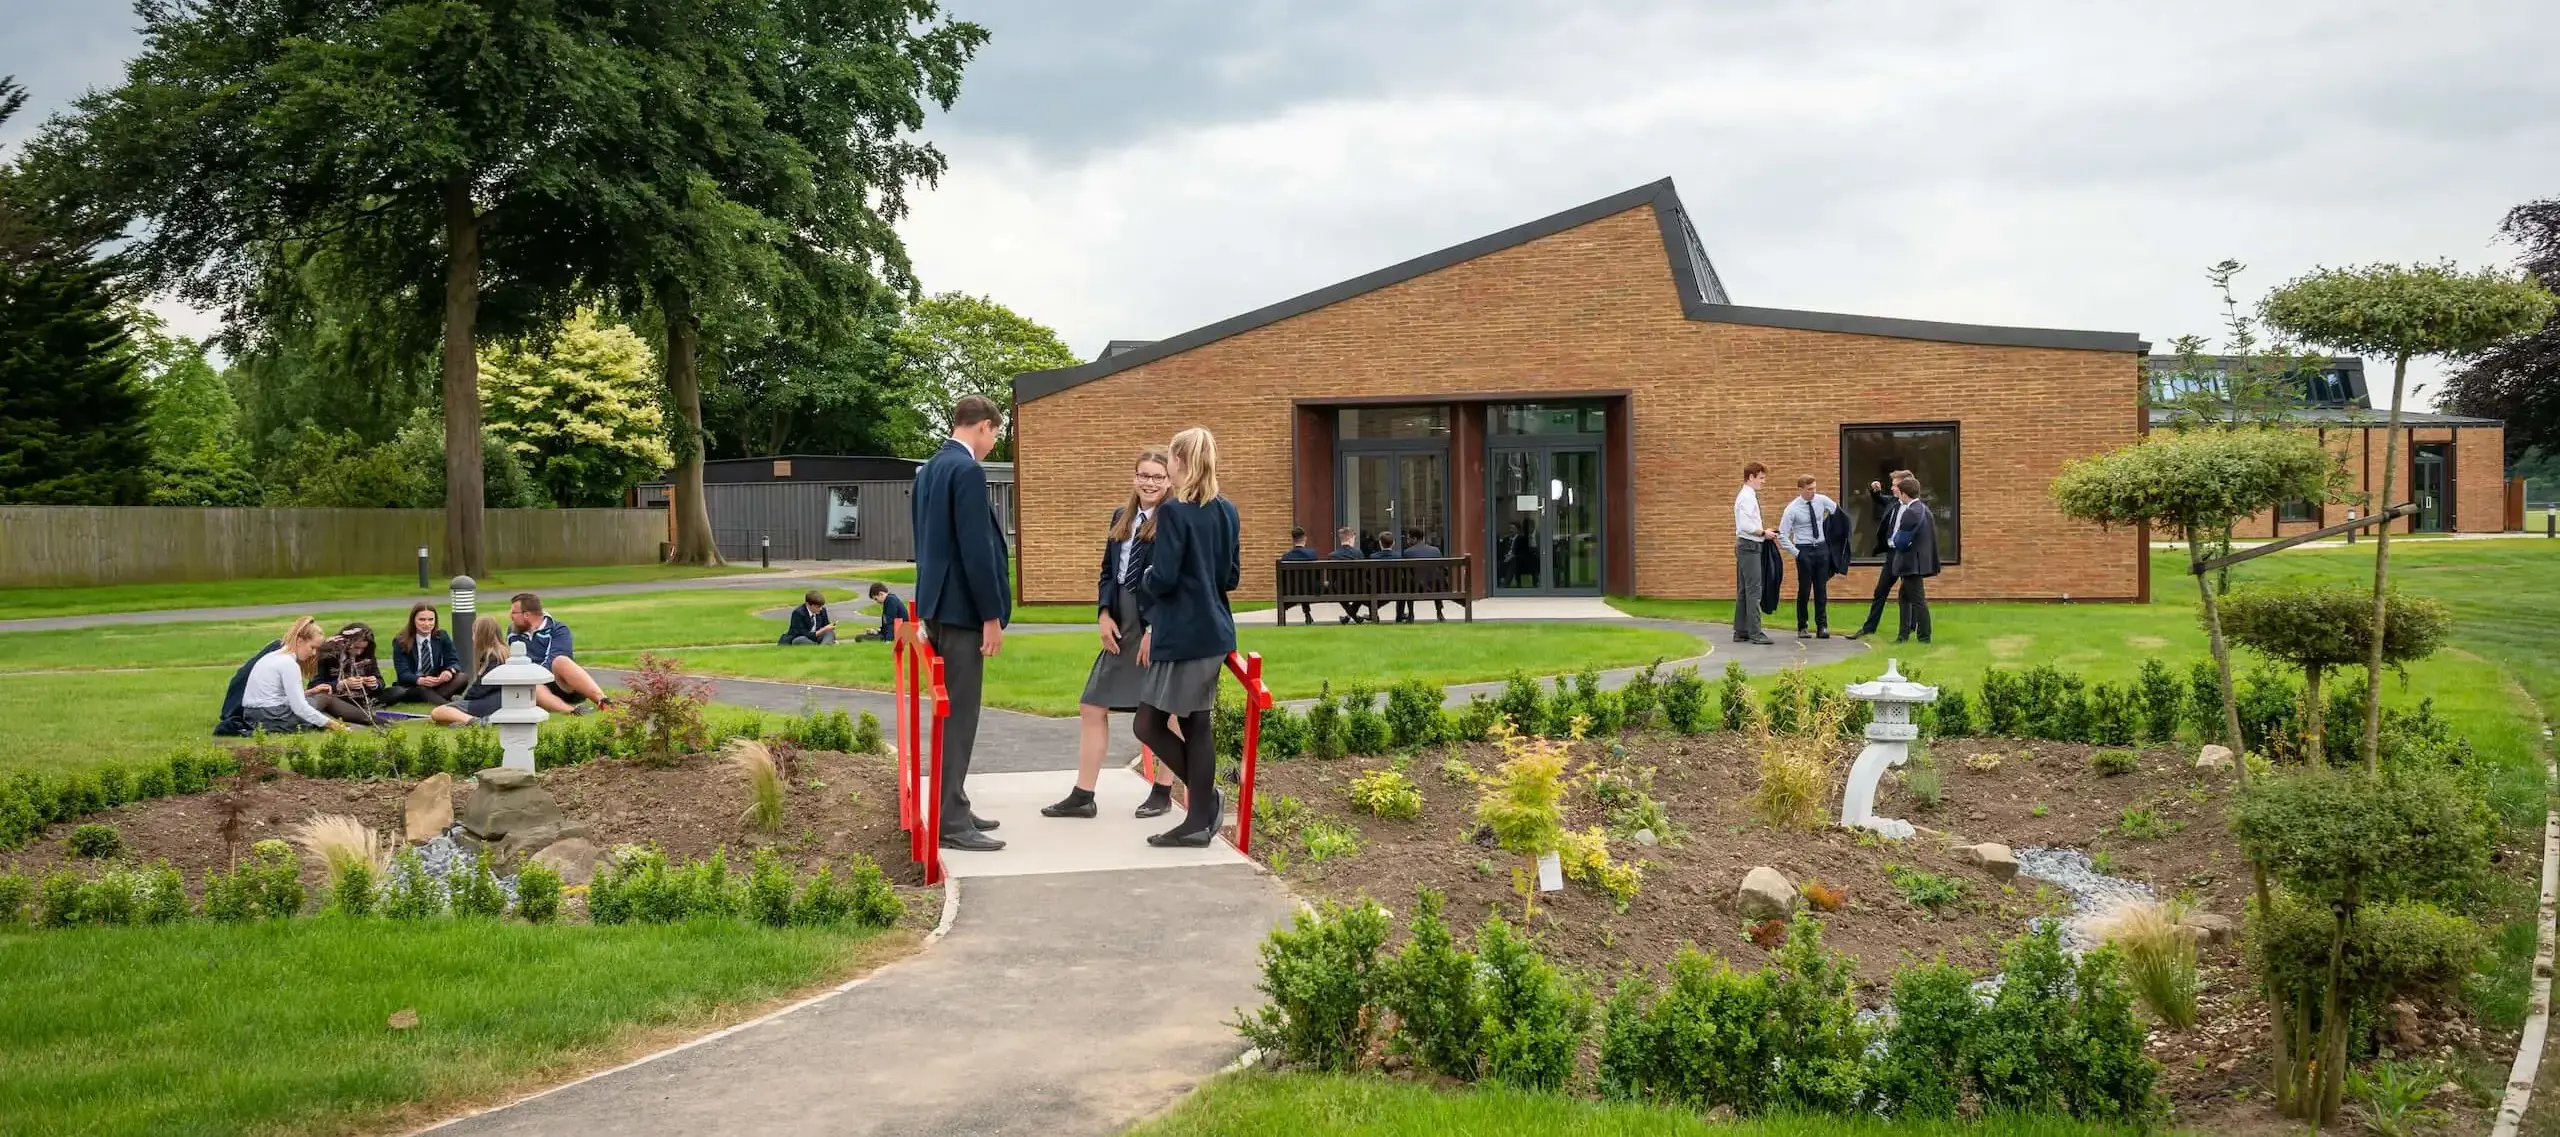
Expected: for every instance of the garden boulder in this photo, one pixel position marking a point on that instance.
(1993, 858)
(574, 859)
(505, 801)
(429, 810)
(1766, 894)
(2214, 757)
(2210, 929)
(532, 839)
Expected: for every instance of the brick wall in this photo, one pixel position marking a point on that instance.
(1595, 309)
(2479, 478)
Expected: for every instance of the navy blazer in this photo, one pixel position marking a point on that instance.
(440, 657)
(1298, 553)
(963, 570)
(1197, 560)
(806, 623)
(1915, 543)
(892, 610)
(1106, 588)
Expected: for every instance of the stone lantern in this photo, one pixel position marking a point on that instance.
(517, 717)
(1889, 738)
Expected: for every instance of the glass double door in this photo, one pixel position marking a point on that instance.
(1387, 492)
(2428, 463)
(1545, 514)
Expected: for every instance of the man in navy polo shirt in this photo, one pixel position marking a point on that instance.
(547, 642)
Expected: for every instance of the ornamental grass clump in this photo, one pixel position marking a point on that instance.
(754, 761)
(1796, 764)
(339, 840)
(2159, 956)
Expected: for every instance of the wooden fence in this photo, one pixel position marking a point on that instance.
(63, 545)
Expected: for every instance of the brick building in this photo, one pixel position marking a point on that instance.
(2452, 466)
(1570, 403)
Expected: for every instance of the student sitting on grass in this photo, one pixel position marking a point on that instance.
(276, 698)
(423, 659)
(345, 678)
(481, 699)
(547, 642)
(892, 609)
(810, 623)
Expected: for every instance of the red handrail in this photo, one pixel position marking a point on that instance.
(1247, 668)
(919, 670)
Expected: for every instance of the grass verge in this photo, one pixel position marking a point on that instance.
(209, 1028)
(1255, 1104)
(24, 603)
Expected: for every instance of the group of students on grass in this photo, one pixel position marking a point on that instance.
(812, 625)
(312, 680)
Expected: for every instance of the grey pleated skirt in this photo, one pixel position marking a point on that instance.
(1116, 679)
(1182, 686)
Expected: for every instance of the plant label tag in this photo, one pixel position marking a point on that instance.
(1550, 872)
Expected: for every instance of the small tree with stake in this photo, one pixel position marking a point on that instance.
(2316, 628)
(2402, 313)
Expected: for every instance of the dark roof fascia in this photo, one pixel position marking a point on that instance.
(1702, 298)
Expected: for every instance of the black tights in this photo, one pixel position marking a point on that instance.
(1193, 756)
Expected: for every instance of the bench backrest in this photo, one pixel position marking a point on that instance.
(1392, 578)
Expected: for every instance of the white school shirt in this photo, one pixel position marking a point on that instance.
(1132, 542)
(1801, 524)
(276, 681)
(1746, 516)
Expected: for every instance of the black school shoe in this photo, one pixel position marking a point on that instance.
(1077, 803)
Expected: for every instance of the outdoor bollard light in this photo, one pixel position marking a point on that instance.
(466, 596)
(1889, 739)
(2351, 534)
(764, 550)
(516, 717)
(422, 569)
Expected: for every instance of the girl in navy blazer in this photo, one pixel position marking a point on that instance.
(1196, 562)
(423, 659)
(1114, 682)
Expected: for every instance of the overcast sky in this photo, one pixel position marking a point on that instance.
(1139, 167)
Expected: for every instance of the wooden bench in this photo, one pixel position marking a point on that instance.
(1373, 582)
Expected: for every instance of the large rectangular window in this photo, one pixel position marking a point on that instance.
(2298, 509)
(844, 511)
(1868, 457)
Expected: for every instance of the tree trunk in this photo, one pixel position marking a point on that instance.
(465, 544)
(2370, 745)
(2221, 656)
(2279, 1003)
(2312, 711)
(694, 544)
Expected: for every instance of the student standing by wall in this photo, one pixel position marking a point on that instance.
(1888, 508)
(964, 594)
(1750, 535)
(1800, 533)
(1196, 562)
(1114, 681)
(1914, 557)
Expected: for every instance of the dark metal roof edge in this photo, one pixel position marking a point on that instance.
(2368, 419)
(1896, 328)
(1039, 384)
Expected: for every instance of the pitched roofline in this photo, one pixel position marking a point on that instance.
(1702, 298)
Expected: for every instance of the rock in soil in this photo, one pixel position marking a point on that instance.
(2215, 930)
(503, 801)
(574, 859)
(2214, 757)
(1766, 894)
(1993, 858)
(429, 809)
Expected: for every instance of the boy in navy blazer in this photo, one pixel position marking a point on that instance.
(964, 595)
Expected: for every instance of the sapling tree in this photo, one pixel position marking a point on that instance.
(2198, 482)
(2402, 312)
(1523, 803)
(2317, 627)
(2256, 379)
(2344, 839)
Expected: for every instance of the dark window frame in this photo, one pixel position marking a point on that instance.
(1954, 489)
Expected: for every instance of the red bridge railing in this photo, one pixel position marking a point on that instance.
(1247, 668)
(919, 676)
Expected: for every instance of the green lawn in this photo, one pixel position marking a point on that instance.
(210, 1028)
(1257, 1104)
(22, 603)
(1045, 673)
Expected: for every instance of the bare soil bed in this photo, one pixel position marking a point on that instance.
(836, 805)
(2033, 794)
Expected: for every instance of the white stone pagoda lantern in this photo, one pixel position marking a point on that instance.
(517, 717)
(1889, 738)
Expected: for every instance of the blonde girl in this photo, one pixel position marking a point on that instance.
(1190, 630)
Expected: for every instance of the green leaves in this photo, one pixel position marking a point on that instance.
(2331, 625)
(2351, 837)
(2398, 312)
(2196, 481)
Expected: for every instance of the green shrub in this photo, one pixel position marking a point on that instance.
(164, 895)
(1364, 727)
(1284, 734)
(15, 891)
(2112, 715)
(114, 785)
(409, 893)
(279, 880)
(473, 889)
(2004, 707)
(19, 817)
(1924, 889)
(112, 899)
(153, 782)
(96, 841)
(1326, 839)
(1951, 716)
(1818, 1046)
(1387, 793)
(2160, 701)
(2394, 949)
(1534, 1018)
(229, 896)
(875, 904)
(2204, 702)
(1226, 728)
(353, 893)
(58, 900)
(1920, 1073)
(1413, 713)
(1684, 701)
(1431, 988)
(2111, 763)
(769, 892)
(1324, 725)
(1733, 696)
(538, 893)
(2270, 713)
(1320, 975)
(1700, 1041)
(1640, 700)
(1474, 722)
(1601, 711)
(2059, 1039)
(866, 735)
(1524, 704)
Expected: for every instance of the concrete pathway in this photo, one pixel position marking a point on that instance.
(776, 579)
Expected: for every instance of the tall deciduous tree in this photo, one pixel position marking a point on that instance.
(2401, 313)
(2519, 380)
(777, 152)
(581, 410)
(956, 344)
(424, 142)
